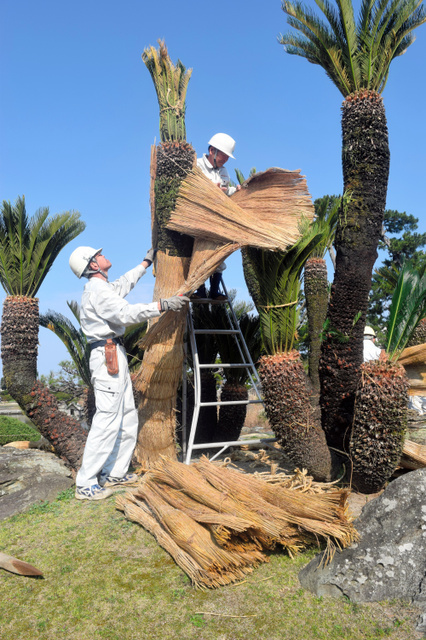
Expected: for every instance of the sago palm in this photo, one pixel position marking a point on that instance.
(315, 280)
(28, 249)
(274, 281)
(381, 402)
(160, 373)
(356, 56)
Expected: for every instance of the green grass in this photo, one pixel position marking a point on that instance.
(12, 429)
(107, 579)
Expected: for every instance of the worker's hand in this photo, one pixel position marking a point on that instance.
(150, 256)
(175, 303)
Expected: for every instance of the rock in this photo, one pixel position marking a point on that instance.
(389, 561)
(28, 476)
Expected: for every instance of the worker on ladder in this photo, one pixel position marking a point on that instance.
(221, 148)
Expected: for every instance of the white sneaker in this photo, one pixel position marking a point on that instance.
(95, 492)
(128, 479)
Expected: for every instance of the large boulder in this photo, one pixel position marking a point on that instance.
(389, 561)
(29, 476)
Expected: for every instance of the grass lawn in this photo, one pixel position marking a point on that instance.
(106, 578)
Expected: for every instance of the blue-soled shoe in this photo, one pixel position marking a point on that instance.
(128, 479)
(95, 492)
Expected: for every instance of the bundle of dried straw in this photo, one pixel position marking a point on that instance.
(272, 205)
(218, 524)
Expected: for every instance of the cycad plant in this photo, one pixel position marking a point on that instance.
(159, 375)
(380, 418)
(315, 280)
(28, 249)
(356, 56)
(274, 281)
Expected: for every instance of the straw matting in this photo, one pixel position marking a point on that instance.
(268, 218)
(218, 524)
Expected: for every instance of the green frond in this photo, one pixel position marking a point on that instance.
(29, 246)
(354, 54)
(74, 340)
(408, 308)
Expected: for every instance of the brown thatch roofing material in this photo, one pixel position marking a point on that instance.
(413, 355)
(265, 213)
(413, 455)
(273, 203)
(217, 524)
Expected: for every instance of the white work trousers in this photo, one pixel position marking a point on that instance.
(113, 434)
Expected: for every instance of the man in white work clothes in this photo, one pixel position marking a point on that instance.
(104, 315)
(220, 149)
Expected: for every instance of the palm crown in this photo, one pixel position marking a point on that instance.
(29, 246)
(354, 55)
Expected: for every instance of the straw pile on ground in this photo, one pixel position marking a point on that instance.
(218, 524)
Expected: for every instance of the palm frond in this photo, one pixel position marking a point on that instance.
(74, 340)
(407, 309)
(355, 55)
(29, 246)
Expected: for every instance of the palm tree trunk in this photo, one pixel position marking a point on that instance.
(365, 178)
(19, 347)
(380, 424)
(316, 296)
(292, 411)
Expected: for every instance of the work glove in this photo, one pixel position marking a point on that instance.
(175, 303)
(150, 256)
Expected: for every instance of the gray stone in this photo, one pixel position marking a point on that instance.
(28, 476)
(389, 561)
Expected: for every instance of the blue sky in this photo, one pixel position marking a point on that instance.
(78, 116)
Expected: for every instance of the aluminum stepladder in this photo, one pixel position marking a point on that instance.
(246, 362)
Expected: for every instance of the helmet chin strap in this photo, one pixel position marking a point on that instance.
(214, 159)
(91, 272)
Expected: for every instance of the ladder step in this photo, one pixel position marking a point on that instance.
(217, 331)
(229, 403)
(246, 365)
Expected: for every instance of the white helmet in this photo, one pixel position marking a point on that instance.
(224, 143)
(80, 259)
(369, 332)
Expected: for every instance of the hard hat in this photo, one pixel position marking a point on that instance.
(224, 143)
(80, 259)
(369, 331)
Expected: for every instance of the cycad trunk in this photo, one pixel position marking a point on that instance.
(380, 424)
(161, 369)
(19, 347)
(231, 417)
(290, 405)
(316, 296)
(365, 177)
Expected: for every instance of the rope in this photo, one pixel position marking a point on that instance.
(277, 306)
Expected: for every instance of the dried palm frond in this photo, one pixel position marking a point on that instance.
(270, 220)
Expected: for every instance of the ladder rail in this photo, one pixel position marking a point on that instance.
(246, 363)
(256, 385)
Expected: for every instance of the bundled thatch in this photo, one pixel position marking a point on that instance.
(218, 523)
(413, 355)
(269, 215)
(272, 205)
(413, 456)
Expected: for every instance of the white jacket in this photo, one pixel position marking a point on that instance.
(371, 352)
(105, 314)
(218, 176)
